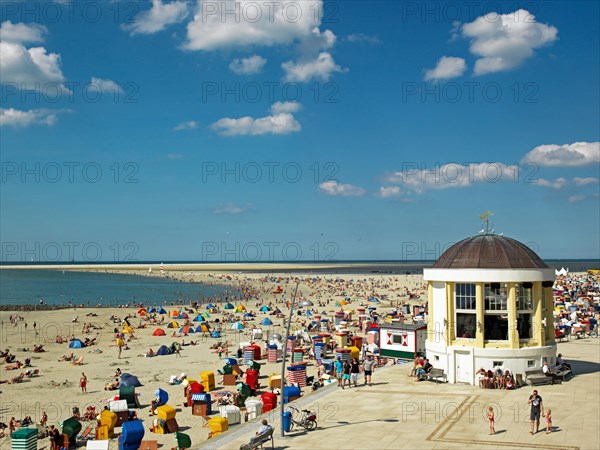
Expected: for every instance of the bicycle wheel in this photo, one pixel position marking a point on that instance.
(310, 425)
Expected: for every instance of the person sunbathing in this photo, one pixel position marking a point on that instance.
(150, 353)
(26, 421)
(78, 361)
(38, 348)
(15, 366)
(90, 413)
(112, 386)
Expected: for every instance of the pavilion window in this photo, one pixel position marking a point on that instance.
(495, 325)
(465, 310)
(524, 293)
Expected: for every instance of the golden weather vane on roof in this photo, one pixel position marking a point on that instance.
(487, 224)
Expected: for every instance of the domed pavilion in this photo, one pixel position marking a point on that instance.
(489, 304)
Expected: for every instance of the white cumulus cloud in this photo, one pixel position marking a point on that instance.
(247, 66)
(22, 32)
(320, 68)
(106, 85)
(559, 183)
(18, 118)
(230, 24)
(585, 181)
(341, 189)
(446, 67)
(452, 175)
(29, 68)
(576, 154)
(285, 107)
(159, 17)
(188, 125)
(504, 41)
(279, 122)
(389, 191)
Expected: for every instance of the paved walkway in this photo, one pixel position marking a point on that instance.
(397, 412)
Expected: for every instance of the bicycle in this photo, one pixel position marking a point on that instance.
(307, 420)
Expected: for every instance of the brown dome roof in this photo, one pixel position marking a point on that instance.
(489, 251)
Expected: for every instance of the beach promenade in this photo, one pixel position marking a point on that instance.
(398, 412)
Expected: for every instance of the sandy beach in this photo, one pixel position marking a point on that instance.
(56, 389)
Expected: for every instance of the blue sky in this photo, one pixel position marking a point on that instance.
(381, 129)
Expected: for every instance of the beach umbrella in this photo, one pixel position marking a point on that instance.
(129, 380)
(203, 328)
(267, 321)
(142, 310)
(241, 308)
(209, 306)
(163, 350)
(237, 326)
(206, 315)
(215, 334)
(76, 343)
(174, 314)
(199, 318)
(162, 396)
(191, 330)
(228, 306)
(159, 332)
(248, 315)
(173, 325)
(152, 310)
(185, 329)
(162, 310)
(183, 316)
(265, 308)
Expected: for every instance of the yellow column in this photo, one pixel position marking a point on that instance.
(513, 336)
(550, 337)
(480, 311)
(450, 334)
(539, 333)
(430, 323)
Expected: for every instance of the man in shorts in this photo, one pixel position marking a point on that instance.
(368, 367)
(354, 371)
(339, 370)
(537, 409)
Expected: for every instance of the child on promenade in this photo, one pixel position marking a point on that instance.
(490, 416)
(548, 421)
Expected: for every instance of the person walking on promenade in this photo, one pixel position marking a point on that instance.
(537, 409)
(369, 368)
(354, 371)
(548, 421)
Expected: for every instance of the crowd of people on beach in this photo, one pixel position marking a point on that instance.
(576, 305)
(276, 292)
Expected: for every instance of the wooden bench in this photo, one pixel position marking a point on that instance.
(437, 375)
(260, 440)
(536, 377)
